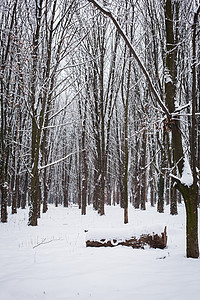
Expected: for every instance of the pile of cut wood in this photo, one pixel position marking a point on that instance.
(153, 240)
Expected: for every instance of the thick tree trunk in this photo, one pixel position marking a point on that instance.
(36, 132)
(65, 194)
(190, 195)
(35, 196)
(192, 228)
(4, 89)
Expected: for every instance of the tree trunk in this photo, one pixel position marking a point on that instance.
(4, 196)
(143, 171)
(126, 112)
(161, 180)
(25, 189)
(3, 183)
(173, 200)
(45, 195)
(33, 211)
(136, 177)
(190, 194)
(160, 205)
(126, 148)
(84, 162)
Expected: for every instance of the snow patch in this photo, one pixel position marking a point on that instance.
(122, 234)
(167, 76)
(52, 262)
(187, 177)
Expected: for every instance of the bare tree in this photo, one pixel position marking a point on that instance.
(6, 69)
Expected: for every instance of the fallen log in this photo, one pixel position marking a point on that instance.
(152, 240)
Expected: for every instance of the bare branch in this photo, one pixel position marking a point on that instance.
(57, 161)
(107, 12)
(43, 242)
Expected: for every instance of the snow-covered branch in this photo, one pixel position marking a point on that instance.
(58, 125)
(186, 176)
(57, 161)
(182, 108)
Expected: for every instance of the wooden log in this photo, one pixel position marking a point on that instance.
(153, 240)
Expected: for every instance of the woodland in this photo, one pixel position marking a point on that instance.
(100, 105)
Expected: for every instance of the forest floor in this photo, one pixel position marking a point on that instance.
(51, 261)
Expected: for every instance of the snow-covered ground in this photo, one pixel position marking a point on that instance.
(51, 261)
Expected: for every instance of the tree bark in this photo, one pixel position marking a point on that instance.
(143, 188)
(190, 194)
(190, 199)
(4, 102)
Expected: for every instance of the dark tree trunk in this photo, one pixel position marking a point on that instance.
(173, 200)
(25, 190)
(160, 204)
(190, 194)
(3, 183)
(35, 196)
(143, 171)
(161, 180)
(126, 149)
(45, 196)
(167, 190)
(4, 196)
(85, 164)
(14, 202)
(136, 178)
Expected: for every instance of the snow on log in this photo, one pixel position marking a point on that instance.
(153, 240)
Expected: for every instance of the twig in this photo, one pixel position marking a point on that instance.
(59, 160)
(47, 242)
